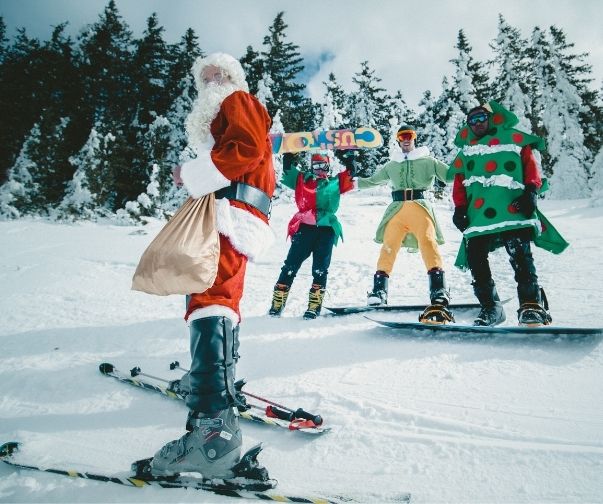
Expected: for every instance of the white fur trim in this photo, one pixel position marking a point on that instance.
(492, 227)
(248, 234)
(201, 176)
(495, 180)
(479, 150)
(214, 311)
(418, 153)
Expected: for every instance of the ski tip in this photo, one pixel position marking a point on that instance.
(7, 449)
(106, 368)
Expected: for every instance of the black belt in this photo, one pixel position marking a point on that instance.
(407, 194)
(247, 194)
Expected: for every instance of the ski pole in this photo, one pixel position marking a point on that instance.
(136, 371)
(284, 413)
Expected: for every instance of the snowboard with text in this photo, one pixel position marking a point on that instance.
(301, 141)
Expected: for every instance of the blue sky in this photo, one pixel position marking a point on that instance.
(408, 43)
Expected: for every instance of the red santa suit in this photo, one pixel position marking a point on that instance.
(241, 152)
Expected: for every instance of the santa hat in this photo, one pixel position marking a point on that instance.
(226, 62)
(320, 158)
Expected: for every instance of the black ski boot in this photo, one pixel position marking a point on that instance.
(378, 296)
(315, 297)
(437, 312)
(212, 445)
(279, 299)
(492, 312)
(533, 305)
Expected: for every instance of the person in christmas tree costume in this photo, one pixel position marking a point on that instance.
(409, 221)
(229, 129)
(314, 229)
(496, 183)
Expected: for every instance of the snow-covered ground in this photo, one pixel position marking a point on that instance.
(447, 420)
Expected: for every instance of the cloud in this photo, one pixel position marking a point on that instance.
(408, 43)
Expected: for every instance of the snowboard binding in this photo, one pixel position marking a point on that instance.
(436, 314)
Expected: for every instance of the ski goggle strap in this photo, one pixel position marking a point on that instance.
(320, 165)
(406, 135)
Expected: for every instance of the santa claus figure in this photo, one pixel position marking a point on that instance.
(228, 128)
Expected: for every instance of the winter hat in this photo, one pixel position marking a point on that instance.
(226, 62)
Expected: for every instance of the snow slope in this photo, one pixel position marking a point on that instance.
(448, 420)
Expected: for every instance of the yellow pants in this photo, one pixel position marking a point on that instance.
(411, 218)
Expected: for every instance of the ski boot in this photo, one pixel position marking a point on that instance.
(533, 306)
(279, 299)
(211, 447)
(315, 297)
(492, 312)
(437, 312)
(378, 296)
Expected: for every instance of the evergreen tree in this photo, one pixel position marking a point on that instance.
(367, 107)
(20, 91)
(560, 104)
(282, 63)
(332, 108)
(151, 60)
(429, 132)
(510, 86)
(471, 80)
(106, 64)
(597, 180)
(3, 40)
(579, 74)
(182, 56)
(253, 66)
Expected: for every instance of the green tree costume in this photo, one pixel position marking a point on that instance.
(493, 178)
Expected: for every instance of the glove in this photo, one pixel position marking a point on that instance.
(460, 219)
(526, 203)
(288, 161)
(348, 159)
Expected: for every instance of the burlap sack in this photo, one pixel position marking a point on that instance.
(183, 257)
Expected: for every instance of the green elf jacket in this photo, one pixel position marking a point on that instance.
(317, 198)
(417, 171)
(491, 171)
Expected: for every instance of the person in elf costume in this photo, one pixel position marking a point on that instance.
(496, 183)
(228, 127)
(409, 221)
(314, 229)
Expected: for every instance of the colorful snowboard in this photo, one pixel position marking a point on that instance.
(359, 138)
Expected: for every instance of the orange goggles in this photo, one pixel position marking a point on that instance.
(406, 135)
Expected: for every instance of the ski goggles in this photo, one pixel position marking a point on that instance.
(482, 117)
(320, 165)
(406, 135)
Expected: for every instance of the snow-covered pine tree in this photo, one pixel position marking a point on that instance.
(88, 194)
(579, 73)
(471, 86)
(510, 84)
(429, 132)
(253, 66)
(559, 105)
(367, 107)
(597, 180)
(283, 63)
(19, 90)
(3, 40)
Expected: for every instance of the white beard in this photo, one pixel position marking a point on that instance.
(205, 109)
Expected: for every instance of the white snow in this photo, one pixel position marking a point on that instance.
(447, 420)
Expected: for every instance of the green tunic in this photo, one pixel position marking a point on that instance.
(418, 172)
(493, 178)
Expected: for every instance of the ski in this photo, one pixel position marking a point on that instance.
(284, 420)
(538, 333)
(237, 487)
(350, 310)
